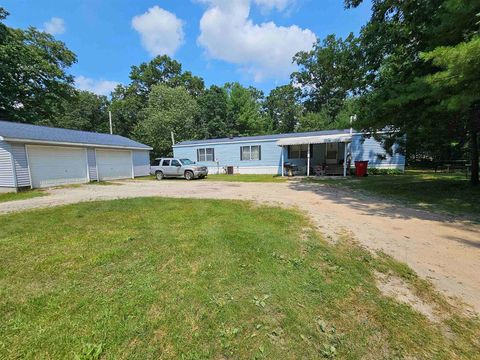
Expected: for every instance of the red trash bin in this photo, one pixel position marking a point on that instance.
(361, 168)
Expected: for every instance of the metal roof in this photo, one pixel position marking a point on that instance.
(12, 131)
(263, 137)
(319, 139)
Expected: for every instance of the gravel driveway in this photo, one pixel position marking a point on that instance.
(440, 248)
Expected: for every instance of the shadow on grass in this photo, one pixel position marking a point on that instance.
(428, 196)
(373, 203)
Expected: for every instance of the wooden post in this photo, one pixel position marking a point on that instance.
(308, 160)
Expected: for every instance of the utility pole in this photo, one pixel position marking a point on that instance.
(352, 119)
(173, 138)
(110, 120)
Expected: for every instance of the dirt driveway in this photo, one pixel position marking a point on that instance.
(437, 247)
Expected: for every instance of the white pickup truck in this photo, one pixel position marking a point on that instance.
(173, 167)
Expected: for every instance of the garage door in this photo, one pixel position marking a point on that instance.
(114, 164)
(55, 165)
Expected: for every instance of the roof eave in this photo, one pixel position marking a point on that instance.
(49, 142)
(235, 141)
(224, 142)
(320, 139)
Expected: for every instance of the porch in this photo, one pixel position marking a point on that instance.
(326, 155)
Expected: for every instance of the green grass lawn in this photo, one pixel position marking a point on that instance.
(163, 278)
(22, 195)
(446, 192)
(234, 178)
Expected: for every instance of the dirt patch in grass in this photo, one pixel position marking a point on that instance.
(394, 287)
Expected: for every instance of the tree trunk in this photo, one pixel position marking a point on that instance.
(474, 148)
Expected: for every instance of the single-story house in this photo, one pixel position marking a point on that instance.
(309, 153)
(39, 156)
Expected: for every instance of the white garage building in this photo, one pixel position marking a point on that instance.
(39, 156)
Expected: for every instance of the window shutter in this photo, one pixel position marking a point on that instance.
(259, 152)
(288, 151)
(241, 153)
(198, 155)
(213, 154)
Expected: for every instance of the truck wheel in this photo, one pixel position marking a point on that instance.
(188, 175)
(159, 175)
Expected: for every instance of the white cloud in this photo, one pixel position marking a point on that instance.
(161, 31)
(263, 50)
(54, 26)
(99, 87)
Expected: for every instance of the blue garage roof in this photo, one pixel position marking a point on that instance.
(44, 134)
(263, 137)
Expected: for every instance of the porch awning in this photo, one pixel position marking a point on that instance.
(320, 139)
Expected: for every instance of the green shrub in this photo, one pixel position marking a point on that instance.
(376, 171)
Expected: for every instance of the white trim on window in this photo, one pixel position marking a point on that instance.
(206, 154)
(246, 153)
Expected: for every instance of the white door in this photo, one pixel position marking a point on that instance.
(114, 164)
(55, 165)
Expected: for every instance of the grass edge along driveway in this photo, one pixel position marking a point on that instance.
(166, 278)
(449, 193)
(21, 195)
(230, 178)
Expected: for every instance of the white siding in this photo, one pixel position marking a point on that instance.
(114, 164)
(92, 164)
(229, 155)
(56, 165)
(141, 163)
(7, 178)
(367, 148)
(21, 164)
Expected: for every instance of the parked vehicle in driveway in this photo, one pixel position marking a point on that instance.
(175, 168)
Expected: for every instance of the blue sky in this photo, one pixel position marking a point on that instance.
(250, 41)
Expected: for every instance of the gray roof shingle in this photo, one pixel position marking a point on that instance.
(12, 130)
(264, 137)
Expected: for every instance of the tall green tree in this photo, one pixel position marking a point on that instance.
(33, 73)
(245, 114)
(283, 107)
(128, 101)
(83, 111)
(163, 70)
(329, 73)
(457, 87)
(408, 90)
(168, 110)
(213, 114)
(314, 121)
(127, 109)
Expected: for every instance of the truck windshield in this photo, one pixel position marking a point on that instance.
(187, 162)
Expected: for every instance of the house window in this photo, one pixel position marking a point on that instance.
(253, 152)
(207, 154)
(298, 151)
